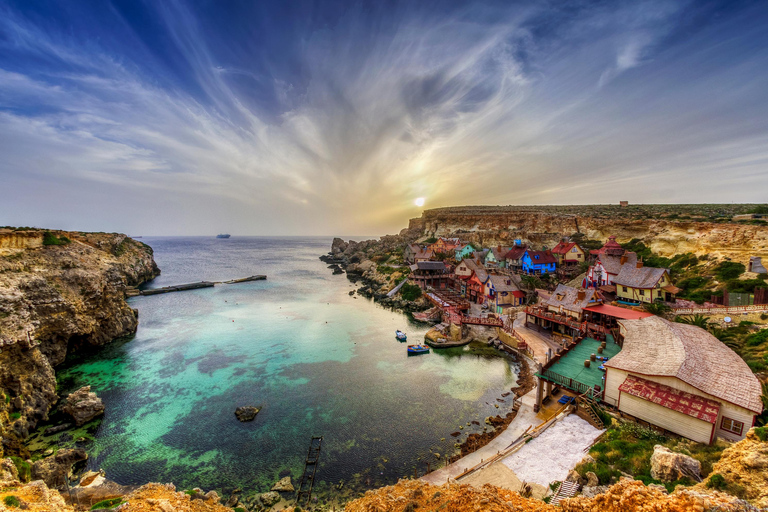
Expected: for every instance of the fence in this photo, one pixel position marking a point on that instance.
(567, 382)
(720, 310)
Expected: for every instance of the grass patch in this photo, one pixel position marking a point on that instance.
(12, 501)
(762, 433)
(23, 467)
(110, 503)
(51, 239)
(15, 415)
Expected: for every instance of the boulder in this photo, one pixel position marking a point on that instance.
(54, 470)
(592, 480)
(8, 472)
(591, 492)
(574, 476)
(247, 413)
(83, 405)
(284, 485)
(669, 466)
(269, 498)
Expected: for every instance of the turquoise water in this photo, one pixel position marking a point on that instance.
(319, 361)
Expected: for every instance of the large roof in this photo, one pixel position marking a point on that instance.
(515, 253)
(643, 277)
(617, 312)
(654, 346)
(665, 396)
(563, 247)
(428, 265)
(544, 257)
(500, 283)
(568, 297)
(611, 247)
(613, 264)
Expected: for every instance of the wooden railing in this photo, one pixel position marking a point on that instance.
(566, 320)
(567, 382)
(723, 310)
(479, 320)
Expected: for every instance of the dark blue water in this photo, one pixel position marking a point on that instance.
(319, 362)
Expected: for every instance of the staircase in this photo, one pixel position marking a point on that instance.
(310, 468)
(566, 490)
(586, 409)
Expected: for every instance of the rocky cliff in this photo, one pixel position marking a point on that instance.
(59, 291)
(660, 228)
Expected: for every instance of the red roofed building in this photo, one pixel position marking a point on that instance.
(569, 254)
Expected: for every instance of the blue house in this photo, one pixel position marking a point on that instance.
(538, 262)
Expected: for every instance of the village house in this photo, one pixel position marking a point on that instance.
(414, 252)
(444, 245)
(639, 284)
(683, 379)
(538, 262)
(569, 254)
(514, 258)
(501, 292)
(602, 273)
(497, 256)
(464, 251)
(430, 274)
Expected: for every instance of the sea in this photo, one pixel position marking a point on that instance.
(317, 360)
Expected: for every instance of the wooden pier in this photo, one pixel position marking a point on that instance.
(132, 292)
(310, 468)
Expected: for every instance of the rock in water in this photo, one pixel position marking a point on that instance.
(83, 405)
(247, 413)
(284, 485)
(669, 466)
(53, 470)
(269, 498)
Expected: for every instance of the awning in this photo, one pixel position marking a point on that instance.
(672, 289)
(671, 398)
(616, 312)
(608, 288)
(519, 294)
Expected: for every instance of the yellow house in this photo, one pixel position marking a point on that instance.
(568, 254)
(637, 283)
(683, 379)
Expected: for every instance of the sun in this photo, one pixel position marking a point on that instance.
(419, 201)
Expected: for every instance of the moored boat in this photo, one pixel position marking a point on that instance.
(223, 235)
(417, 349)
(400, 335)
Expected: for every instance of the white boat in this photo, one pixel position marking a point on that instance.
(400, 335)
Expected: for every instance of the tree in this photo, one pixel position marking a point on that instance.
(698, 320)
(532, 281)
(657, 308)
(727, 336)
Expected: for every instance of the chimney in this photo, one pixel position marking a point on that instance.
(639, 263)
(582, 294)
(623, 259)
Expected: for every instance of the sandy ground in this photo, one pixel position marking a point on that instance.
(554, 453)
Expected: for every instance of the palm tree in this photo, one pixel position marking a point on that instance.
(531, 281)
(727, 336)
(698, 320)
(657, 308)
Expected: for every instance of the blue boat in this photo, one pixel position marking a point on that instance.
(223, 235)
(417, 349)
(400, 335)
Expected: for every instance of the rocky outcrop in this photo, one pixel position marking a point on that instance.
(34, 497)
(247, 413)
(54, 470)
(83, 405)
(669, 466)
(8, 472)
(743, 468)
(53, 299)
(283, 485)
(269, 498)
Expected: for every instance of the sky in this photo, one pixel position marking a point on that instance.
(296, 117)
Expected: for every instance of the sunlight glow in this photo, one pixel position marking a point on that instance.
(419, 201)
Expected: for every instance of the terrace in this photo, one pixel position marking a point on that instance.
(567, 369)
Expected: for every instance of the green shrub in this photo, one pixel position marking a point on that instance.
(757, 338)
(12, 501)
(716, 481)
(241, 509)
(728, 270)
(23, 467)
(51, 239)
(110, 503)
(410, 291)
(15, 415)
(430, 240)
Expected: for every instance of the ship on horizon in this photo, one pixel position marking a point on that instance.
(222, 235)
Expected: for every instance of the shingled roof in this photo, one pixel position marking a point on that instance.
(613, 264)
(643, 277)
(568, 297)
(500, 283)
(654, 346)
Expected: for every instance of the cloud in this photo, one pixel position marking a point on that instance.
(366, 110)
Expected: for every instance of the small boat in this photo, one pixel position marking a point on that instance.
(417, 349)
(400, 335)
(223, 235)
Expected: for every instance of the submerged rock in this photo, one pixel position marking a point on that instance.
(269, 498)
(284, 485)
(83, 405)
(54, 470)
(247, 413)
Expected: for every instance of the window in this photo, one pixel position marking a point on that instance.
(642, 292)
(624, 288)
(731, 425)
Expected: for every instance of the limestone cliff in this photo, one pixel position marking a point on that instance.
(664, 232)
(55, 298)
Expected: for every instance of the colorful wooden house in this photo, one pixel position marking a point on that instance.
(464, 251)
(638, 284)
(497, 256)
(538, 262)
(414, 252)
(569, 254)
(606, 267)
(513, 258)
(444, 245)
(502, 292)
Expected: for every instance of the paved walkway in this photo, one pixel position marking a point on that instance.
(525, 418)
(537, 341)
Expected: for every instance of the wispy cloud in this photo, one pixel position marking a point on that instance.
(519, 103)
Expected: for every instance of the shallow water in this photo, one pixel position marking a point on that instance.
(319, 361)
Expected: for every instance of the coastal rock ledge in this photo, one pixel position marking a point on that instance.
(83, 405)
